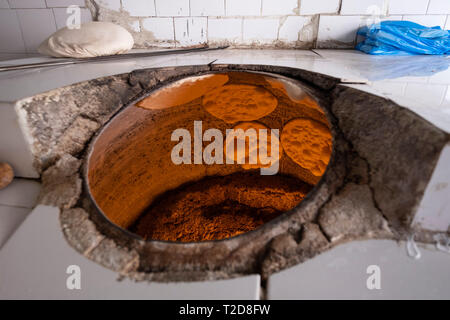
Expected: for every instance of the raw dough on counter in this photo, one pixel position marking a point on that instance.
(92, 39)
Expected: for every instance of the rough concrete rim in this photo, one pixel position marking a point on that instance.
(310, 196)
(133, 241)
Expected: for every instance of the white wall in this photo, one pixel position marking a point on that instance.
(24, 24)
(242, 23)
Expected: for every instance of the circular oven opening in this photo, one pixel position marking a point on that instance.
(210, 156)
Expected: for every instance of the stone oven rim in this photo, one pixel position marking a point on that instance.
(165, 83)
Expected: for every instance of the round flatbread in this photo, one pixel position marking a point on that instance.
(183, 91)
(308, 143)
(239, 102)
(244, 155)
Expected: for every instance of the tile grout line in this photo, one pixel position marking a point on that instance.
(21, 29)
(14, 206)
(428, 7)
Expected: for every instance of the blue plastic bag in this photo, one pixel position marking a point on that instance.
(403, 38)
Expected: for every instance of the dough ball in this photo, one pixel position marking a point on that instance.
(6, 174)
(239, 102)
(245, 154)
(183, 91)
(92, 39)
(308, 143)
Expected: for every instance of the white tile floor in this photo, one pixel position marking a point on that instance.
(20, 193)
(34, 258)
(33, 265)
(343, 274)
(16, 202)
(10, 220)
(39, 235)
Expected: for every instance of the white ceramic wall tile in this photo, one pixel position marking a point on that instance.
(434, 209)
(64, 3)
(428, 20)
(161, 28)
(190, 31)
(290, 28)
(34, 261)
(207, 8)
(37, 25)
(439, 7)
(408, 6)
(412, 9)
(4, 4)
(10, 35)
(109, 4)
(243, 8)
(20, 193)
(342, 273)
(10, 220)
(260, 30)
(139, 8)
(229, 29)
(277, 7)
(337, 31)
(392, 17)
(172, 8)
(363, 7)
(61, 16)
(23, 4)
(315, 7)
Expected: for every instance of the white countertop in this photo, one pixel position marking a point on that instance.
(420, 83)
